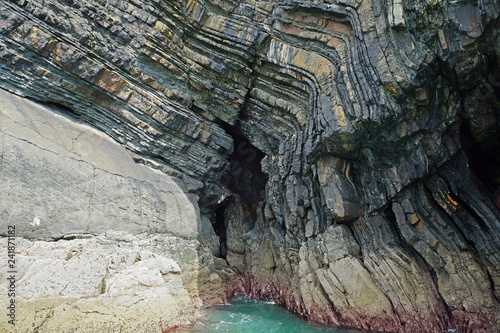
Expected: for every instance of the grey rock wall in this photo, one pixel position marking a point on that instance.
(102, 243)
(73, 179)
(344, 152)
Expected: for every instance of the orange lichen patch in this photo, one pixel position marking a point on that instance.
(315, 20)
(163, 28)
(49, 47)
(302, 18)
(332, 39)
(304, 22)
(35, 37)
(335, 43)
(61, 54)
(453, 202)
(229, 26)
(420, 227)
(414, 219)
(57, 51)
(312, 62)
(339, 27)
(391, 89)
(195, 11)
(111, 82)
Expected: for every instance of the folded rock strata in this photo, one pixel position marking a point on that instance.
(337, 156)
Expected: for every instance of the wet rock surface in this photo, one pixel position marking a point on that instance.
(344, 152)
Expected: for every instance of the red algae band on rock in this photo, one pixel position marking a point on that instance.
(337, 157)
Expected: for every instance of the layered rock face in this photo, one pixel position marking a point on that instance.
(344, 152)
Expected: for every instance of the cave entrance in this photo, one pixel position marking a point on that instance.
(246, 182)
(482, 146)
(220, 230)
(244, 176)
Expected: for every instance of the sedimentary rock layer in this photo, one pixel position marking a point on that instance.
(344, 152)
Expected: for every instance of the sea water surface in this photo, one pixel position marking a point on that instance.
(244, 315)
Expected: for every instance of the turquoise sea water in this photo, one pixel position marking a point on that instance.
(243, 315)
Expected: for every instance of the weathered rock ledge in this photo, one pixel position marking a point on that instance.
(102, 244)
(108, 283)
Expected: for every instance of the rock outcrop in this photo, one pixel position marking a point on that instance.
(99, 284)
(337, 156)
(103, 243)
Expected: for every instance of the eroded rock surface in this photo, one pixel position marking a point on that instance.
(107, 283)
(103, 244)
(375, 126)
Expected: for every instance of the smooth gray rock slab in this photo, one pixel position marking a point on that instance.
(60, 177)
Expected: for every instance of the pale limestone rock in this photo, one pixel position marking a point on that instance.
(389, 87)
(119, 250)
(98, 285)
(60, 177)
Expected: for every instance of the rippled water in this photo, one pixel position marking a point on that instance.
(242, 315)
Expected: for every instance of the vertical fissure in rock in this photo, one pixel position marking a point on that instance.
(220, 230)
(245, 181)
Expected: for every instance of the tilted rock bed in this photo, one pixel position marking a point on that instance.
(339, 157)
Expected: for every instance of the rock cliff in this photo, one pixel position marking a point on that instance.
(339, 157)
(103, 243)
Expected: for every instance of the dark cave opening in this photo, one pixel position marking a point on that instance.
(482, 146)
(244, 176)
(480, 160)
(246, 182)
(220, 230)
